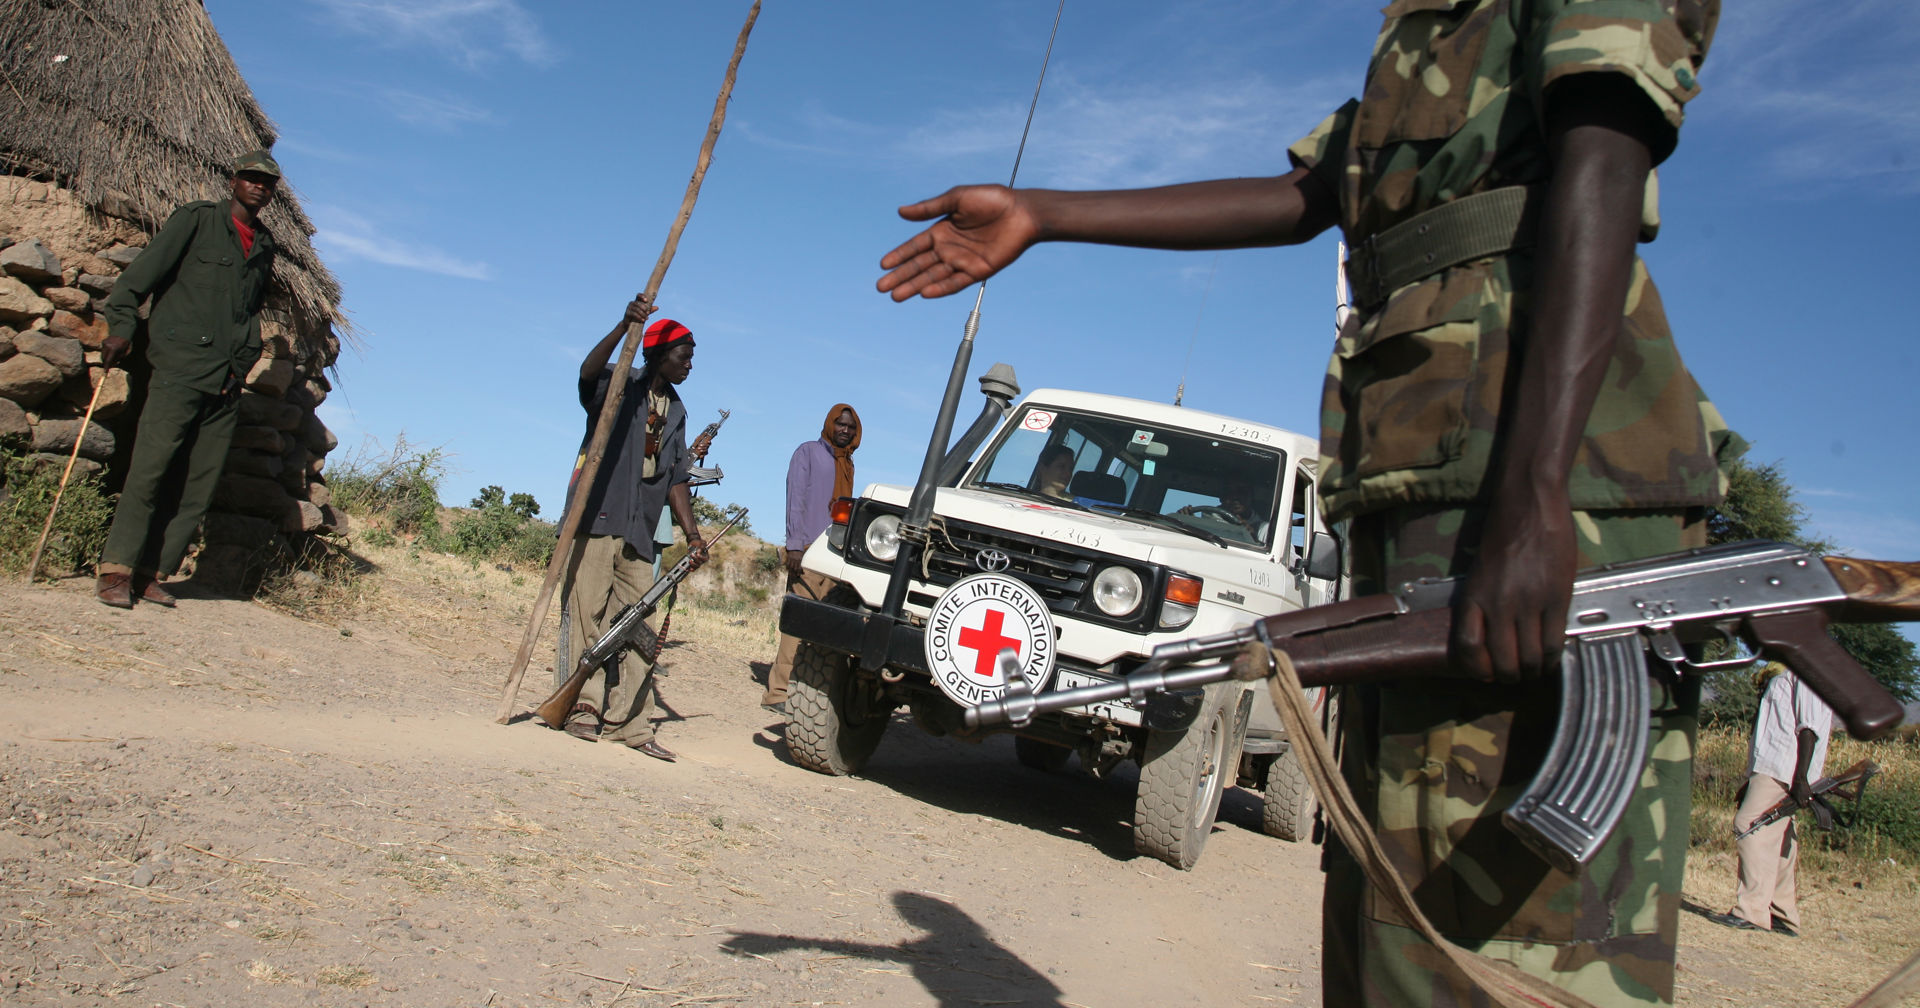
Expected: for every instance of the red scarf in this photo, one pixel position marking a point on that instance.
(246, 236)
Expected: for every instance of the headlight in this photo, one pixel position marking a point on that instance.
(1116, 590)
(883, 538)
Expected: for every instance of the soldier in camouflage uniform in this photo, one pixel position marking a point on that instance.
(1506, 403)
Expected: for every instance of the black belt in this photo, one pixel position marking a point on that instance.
(1472, 227)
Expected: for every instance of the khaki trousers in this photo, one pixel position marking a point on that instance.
(610, 577)
(1767, 858)
(808, 585)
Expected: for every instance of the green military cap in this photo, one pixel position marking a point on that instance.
(256, 161)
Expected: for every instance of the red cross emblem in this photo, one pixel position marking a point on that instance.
(987, 642)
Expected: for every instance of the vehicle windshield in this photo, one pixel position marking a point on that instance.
(1215, 488)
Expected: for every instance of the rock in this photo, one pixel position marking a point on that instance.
(14, 426)
(6, 342)
(335, 518)
(96, 284)
(31, 261)
(112, 391)
(91, 331)
(304, 516)
(18, 302)
(228, 569)
(238, 530)
(271, 376)
(122, 255)
(262, 411)
(320, 494)
(54, 465)
(264, 439)
(64, 353)
(251, 495)
(57, 437)
(252, 463)
(72, 299)
(316, 436)
(26, 379)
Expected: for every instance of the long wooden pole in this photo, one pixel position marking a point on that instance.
(569, 546)
(33, 565)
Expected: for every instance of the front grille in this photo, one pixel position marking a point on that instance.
(1059, 575)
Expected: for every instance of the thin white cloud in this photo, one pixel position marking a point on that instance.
(342, 232)
(473, 32)
(439, 114)
(1830, 99)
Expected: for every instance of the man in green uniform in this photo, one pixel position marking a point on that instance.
(1506, 404)
(207, 271)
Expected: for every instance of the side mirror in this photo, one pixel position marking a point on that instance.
(1323, 557)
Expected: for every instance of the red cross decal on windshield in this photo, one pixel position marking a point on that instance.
(987, 642)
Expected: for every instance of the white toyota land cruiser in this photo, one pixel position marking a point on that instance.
(1089, 530)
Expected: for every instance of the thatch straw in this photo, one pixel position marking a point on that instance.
(137, 107)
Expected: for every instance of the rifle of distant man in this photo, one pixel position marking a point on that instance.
(629, 629)
(1850, 785)
(1775, 598)
(698, 476)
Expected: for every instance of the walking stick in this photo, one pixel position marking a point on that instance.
(33, 566)
(569, 548)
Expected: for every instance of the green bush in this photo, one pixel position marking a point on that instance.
(80, 526)
(400, 485)
(501, 531)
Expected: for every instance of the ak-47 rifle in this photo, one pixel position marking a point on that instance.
(1857, 775)
(1774, 597)
(629, 629)
(700, 475)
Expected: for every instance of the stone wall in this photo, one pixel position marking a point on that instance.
(58, 261)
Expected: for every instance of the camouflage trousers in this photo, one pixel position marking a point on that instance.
(1434, 765)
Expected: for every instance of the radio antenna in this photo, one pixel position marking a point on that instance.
(1180, 392)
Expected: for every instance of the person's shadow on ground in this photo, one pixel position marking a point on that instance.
(956, 961)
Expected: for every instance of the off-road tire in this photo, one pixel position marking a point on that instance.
(824, 732)
(1288, 809)
(1184, 773)
(1037, 755)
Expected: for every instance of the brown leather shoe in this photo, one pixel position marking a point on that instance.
(150, 591)
(656, 750)
(115, 590)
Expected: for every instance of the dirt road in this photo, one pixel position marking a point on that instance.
(224, 805)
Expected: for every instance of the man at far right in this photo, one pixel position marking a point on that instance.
(1788, 752)
(820, 472)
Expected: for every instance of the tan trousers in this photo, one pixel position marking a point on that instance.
(1767, 859)
(809, 585)
(609, 578)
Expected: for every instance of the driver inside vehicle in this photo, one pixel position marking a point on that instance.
(1237, 509)
(1051, 473)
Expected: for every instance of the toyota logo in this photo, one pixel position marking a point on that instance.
(991, 560)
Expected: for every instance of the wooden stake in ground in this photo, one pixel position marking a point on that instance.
(33, 566)
(569, 547)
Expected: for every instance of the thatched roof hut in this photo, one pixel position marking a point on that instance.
(137, 107)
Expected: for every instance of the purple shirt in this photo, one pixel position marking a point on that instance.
(809, 492)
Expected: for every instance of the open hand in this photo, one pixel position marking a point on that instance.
(981, 229)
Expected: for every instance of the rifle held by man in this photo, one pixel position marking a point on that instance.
(1858, 775)
(1774, 597)
(629, 629)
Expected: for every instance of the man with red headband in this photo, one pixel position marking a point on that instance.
(821, 472)
(643, 473)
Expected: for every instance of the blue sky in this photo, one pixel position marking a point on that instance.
(493, 179)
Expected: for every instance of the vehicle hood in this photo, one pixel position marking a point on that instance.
(1066, 523)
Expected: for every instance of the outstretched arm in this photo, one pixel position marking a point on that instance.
(982, 229)
(1511, 614)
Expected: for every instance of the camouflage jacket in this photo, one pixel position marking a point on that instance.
(1453, 107)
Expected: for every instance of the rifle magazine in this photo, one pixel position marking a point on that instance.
(1593, 765)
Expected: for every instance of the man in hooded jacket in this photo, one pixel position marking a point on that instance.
(820, 473)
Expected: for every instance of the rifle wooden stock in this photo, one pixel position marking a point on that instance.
(556, 708)
(1878, 591)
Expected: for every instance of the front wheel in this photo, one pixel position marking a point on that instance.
(1183, 775)
(832, 727)
(1288, 810)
